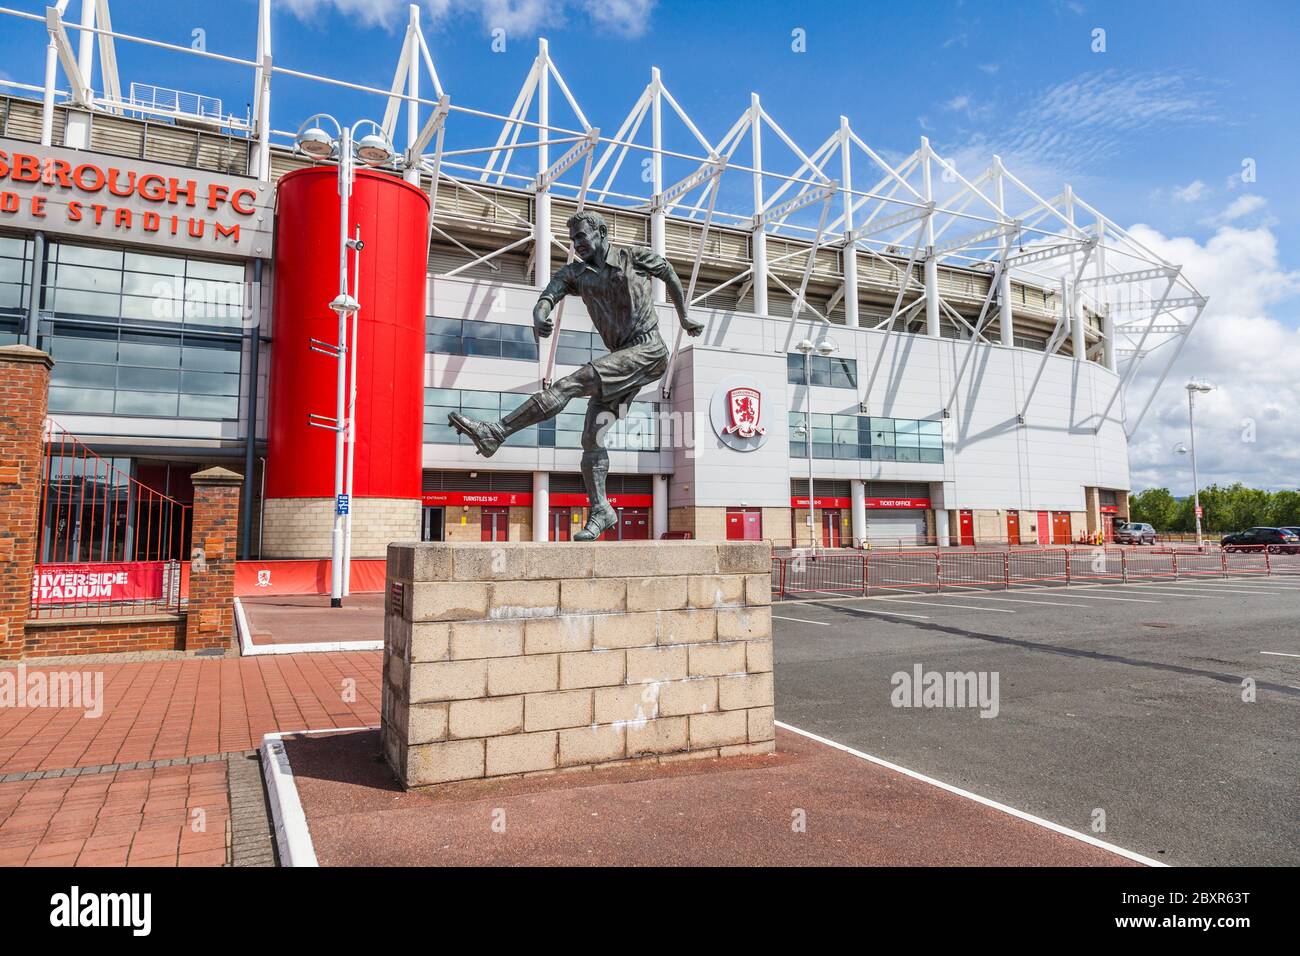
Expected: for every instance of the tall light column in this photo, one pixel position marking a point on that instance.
(759, 237)
(1192, 389)
(850, 253)
(931, 263)
(343, 306)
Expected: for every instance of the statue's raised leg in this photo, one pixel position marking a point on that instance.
(488, 436)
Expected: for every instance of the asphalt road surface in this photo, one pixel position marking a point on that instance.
(1123, 699)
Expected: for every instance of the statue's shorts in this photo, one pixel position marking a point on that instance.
(626, 371)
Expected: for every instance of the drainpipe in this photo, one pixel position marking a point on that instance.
(34, 289)
(250, 434)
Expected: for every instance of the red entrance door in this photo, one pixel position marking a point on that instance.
(634, 524)
(966, 526)
(1044, 528)
(559, 520)
(831, 533)
(1060, 527)
(495, 524)
(1013, 527)
(744, 524)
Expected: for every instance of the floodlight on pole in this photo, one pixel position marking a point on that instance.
(823, 347)
(1193, 387)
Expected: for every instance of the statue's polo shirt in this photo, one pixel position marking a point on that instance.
(618, 295)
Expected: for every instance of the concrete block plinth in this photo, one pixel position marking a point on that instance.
(507, 659)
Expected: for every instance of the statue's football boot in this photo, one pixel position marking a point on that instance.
(487, 437)
(599, 520)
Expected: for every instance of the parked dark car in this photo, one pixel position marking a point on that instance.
(1134, 532)
(1274, 540)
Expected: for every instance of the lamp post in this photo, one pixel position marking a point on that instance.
(1192, 388)
(373, 149)
(824, 347)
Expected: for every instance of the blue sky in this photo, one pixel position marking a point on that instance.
(1153, 130)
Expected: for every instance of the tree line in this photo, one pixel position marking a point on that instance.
(1224, 509)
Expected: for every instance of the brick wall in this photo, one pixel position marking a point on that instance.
(301, 527)
(210, 616)
(155, 632)
(24, 386)
(506, 660)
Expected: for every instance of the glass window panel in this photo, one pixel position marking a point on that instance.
(576, 340)
(931, 454)
(139, 308)
(209, 406)
(147, 379)
(509, 401)
(823, 421)
(931, 428)
(480, 346)
(519, 350)
(158, 265)
(525, 437)
(568, 439)
(823, 450)
(12, 296)
(489, 401)
(85, 376)
(11, 270)
(13, 246)
(445, 344)
(74, 302)
(882, 453)
(154, 350)
(516, 333)
(930, 441)
(89, 256)
(440, 434)
(209, 383)
(564, 356)
(442, 396)
(797, 450)
(903, 427)
(162, 404)
(210, 356)
(882, 438)
(83, 345)
(438, 326)
(821, 373)
(217, 271)
(92, 401)
(907, 454)
(882, 425)
(87, 278)
(142, 283)
(905, 441)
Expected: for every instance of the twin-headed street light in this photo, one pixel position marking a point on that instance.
(374, 150)
(824, 347)
(1193, 387)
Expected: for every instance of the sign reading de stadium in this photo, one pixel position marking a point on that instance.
(74, 192)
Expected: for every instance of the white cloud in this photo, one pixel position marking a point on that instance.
(957, 103)
(1191, 192)
(990, 68)
(1248, 345)
(1239, 208)
(627, 17)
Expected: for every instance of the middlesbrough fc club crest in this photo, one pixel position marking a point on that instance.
(744, 408)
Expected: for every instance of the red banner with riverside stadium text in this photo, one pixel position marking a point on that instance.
(127, 581)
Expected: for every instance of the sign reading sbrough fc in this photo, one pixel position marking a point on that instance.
(108, 197)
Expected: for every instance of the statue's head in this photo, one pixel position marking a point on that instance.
(589, 234)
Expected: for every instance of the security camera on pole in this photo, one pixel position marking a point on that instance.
(373, 149)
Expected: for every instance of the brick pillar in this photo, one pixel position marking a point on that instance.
(24, 392)
(210, 620)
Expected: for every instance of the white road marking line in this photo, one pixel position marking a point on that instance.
(1278, 654)
(1021, 601)
(801, 620)
(1098, 597)
(1201, 589)
(968, 607)
(985, 801)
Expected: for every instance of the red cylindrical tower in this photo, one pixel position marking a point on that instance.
(393, 218)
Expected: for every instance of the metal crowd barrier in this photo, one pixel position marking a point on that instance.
(865, 572)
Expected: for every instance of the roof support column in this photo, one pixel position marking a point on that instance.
(542, 199)
(850, 244)
(931, 263)
(412, 173)
(658, 245)
(77, 134)
(1006, 322)
(759, 240)
(1078, 339)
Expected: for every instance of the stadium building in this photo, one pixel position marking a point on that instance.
(930, 353)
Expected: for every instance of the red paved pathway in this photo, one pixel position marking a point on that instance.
(167, 816)
(308, 619)
(158, 710)
(740, 811)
